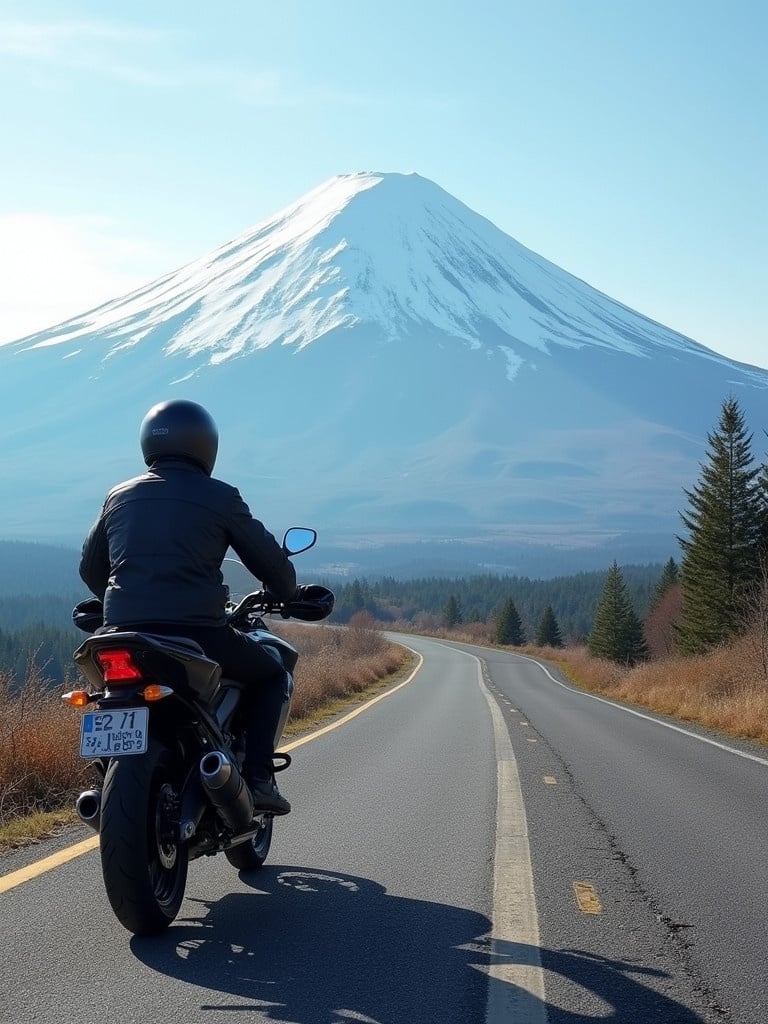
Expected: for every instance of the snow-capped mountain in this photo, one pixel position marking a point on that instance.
(386, 364)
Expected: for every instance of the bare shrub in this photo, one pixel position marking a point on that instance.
(477, 632)
(39, 762)
(659, 626)
(755, 603)
(364, 637)
(338, 662)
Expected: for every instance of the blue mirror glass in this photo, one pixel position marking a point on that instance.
(297, 539)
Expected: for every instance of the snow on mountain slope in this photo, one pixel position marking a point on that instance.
(383, 363)
(390, 250)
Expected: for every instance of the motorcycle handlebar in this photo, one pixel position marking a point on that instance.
(311, 603)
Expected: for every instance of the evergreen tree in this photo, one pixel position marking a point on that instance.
(670, 575)
(452, 616)
(725, 521)
(509, 628)
(548, 633)
(617, 633)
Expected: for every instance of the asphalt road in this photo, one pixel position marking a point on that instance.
(407, 886)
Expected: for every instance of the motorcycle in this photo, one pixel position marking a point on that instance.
(167, 745)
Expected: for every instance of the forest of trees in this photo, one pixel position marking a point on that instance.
(38, 627)
(573, 599)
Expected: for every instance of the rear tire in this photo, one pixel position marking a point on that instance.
(251, 855)
(143, 863)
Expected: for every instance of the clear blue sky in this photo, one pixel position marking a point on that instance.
(625, 141)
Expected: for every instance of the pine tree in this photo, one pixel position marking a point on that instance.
(509, 628)
(670, 575)
(548, 633)
(617, 633)
(725, 522)
(452, 612)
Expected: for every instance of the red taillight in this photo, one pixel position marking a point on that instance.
(117, 666)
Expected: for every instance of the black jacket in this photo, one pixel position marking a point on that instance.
(155, 552)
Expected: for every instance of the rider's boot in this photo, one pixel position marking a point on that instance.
(266, 796)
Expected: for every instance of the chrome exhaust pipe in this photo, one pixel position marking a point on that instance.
(226, 790)
(88, 807)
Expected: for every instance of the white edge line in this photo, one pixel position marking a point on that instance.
(639, 714)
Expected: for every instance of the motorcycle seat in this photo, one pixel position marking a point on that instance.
(179, 641)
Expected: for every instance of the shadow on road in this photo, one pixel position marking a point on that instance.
(312, 947)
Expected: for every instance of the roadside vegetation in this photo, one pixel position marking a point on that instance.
(41, 770)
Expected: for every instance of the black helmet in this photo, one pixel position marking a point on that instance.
(181, 429)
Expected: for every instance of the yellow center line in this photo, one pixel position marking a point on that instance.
(587, 898)
(39, 867)
(47, 864)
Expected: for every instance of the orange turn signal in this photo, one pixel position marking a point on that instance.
(76, 698)
(154, 691)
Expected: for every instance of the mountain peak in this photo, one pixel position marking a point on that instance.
(468, 389)
(390, 250)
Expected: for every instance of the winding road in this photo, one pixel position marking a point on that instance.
(483, 843)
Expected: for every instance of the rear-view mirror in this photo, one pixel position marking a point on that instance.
(297, 539)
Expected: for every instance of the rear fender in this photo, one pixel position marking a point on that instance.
(176, 662)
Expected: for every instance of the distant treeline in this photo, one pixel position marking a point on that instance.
(39, 587)
(39, 626)
(48, 647)
(573, 599)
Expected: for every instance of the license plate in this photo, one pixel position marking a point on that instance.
(114, 733)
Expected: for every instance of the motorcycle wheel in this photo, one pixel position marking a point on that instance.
(252, 854)
(143, 863)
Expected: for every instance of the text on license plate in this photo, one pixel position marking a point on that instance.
(114, 733)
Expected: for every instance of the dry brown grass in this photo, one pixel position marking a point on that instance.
(41, 770)
(336, 664)
(724, 690)
(39, 763)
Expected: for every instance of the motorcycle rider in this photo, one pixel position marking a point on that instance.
(154, 558)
